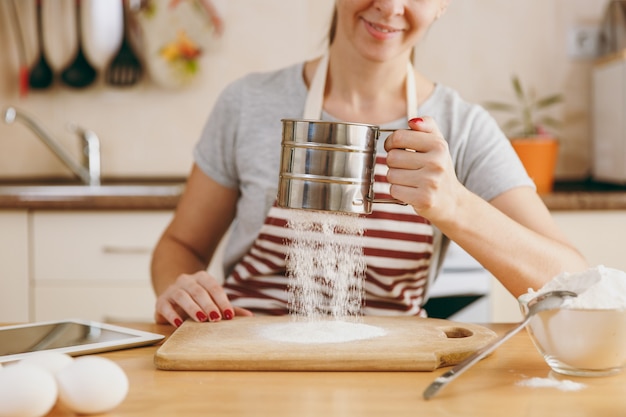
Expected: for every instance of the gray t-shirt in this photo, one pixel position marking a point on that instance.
(240, 147)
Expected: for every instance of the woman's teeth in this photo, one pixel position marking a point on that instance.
(380, 29)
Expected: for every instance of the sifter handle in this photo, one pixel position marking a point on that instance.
(389, 201)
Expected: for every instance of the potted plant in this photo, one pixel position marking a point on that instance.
(529, 134)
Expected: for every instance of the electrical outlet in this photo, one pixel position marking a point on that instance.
(583, 42)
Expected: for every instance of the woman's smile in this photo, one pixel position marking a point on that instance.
(380, 32)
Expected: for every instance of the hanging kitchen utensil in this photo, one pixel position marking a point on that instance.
(105, 20)
(79, 73)
(40, 74)
(125, 68)
(21, 49)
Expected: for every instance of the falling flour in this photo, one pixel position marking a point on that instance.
(325, 265)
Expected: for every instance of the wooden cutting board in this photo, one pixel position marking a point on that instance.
(242, 344)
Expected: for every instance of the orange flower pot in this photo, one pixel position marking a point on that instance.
(539, 156)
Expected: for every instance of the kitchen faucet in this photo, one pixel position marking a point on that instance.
(89, 170)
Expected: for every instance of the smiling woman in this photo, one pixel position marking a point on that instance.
(391, 30)
(446, 159)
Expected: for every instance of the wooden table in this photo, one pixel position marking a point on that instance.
(490, 388)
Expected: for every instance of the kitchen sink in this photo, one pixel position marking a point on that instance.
(118, 189)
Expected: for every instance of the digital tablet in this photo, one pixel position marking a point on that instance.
(74, 337)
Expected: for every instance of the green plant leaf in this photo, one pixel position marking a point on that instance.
(498, 106)
(550, 121)
(548, 101)
(526, 119)
(517, 87)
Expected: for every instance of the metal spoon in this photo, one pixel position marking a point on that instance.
(548, 301)
(41, 74)
(79, 73)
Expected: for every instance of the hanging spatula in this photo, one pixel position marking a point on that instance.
(125, 69)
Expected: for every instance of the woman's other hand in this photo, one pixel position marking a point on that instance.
(198, 296)
(421, 172)
(202, 218)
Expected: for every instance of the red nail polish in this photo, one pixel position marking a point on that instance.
(228, 315)
(214, 315)
(416, 120)
(201, 316)
(178, 322)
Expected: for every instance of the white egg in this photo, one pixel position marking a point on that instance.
(92, 384)
(26, 391)
(52, 362)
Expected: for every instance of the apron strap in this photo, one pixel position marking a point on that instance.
(411, 92)
(315, 98)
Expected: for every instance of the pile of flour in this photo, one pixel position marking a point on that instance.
(320, 332)
(597, 288)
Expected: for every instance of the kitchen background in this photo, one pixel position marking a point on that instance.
(149, 129)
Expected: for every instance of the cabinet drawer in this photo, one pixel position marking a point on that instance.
(91, 246)
(14, 266)
(94, 302)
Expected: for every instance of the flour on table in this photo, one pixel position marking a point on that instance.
(321, 331)
(562, 385)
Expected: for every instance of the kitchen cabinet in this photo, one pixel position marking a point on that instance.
(94, 265)
(14, 283)
(90, 264)
(607, 113)
(84, 264)
(600, 235)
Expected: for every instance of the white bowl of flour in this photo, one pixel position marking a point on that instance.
(587, 335)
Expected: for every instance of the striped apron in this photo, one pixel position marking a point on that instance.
(397, 243)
